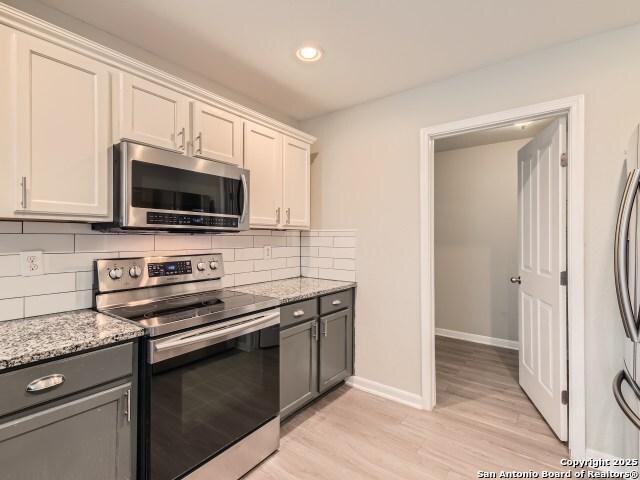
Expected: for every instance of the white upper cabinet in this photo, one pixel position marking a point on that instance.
(296, 180)
(216, 134)
(263, 157)
(150, 113)
(62, 116)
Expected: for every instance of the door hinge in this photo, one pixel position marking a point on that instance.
(564, 280)
(565, 397)
(564, 160)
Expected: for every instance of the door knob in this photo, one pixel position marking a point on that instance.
(516, 280)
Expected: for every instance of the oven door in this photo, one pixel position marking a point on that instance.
(209, 388)
(165, 190)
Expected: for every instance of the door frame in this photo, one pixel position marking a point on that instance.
(573, 108)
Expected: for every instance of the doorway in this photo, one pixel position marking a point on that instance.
(572, 108)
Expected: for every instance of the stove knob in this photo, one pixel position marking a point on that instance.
(201, 266)
(214, 265)
(135, 272)
(115, 273)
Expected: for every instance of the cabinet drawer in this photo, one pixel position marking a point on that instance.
(298, 312)
(335, 302)
(79, 373)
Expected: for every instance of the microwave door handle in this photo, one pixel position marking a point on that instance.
(245, 190)
(621, 256)
(617, 393)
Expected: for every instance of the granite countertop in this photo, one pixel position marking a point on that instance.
(39, 338)
(294, 289)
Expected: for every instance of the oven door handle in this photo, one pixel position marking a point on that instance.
(245, 191)
(221, 334)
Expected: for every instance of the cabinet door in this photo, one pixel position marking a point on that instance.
(216, 134)
(86, 438)
(298, 366)
(62, 110)
(336, 348)
(296, 184)
(152, 114)
(263, 157)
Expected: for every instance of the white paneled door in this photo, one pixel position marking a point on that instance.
(542, 257)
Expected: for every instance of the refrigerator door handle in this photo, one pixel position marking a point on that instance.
(617, 393)
(621, 256)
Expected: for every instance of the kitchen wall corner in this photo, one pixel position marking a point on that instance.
(329, 254)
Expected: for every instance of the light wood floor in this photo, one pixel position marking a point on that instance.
(482, 421)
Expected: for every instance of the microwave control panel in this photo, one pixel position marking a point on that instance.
(163, 218)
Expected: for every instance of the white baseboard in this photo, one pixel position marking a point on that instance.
(384, 391)
(595, 455)
(470, 337)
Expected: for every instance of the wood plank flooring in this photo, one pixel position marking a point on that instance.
(482, 421)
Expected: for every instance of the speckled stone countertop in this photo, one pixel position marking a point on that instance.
(294, 289)
(39, 338)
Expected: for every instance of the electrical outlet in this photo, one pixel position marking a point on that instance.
(31, 263)
(267, 252)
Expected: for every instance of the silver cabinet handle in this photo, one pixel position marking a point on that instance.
(325, 328)
(298, 313)
(128, 410)
(45, 383)
(182, 133)
(23, 184)
(199, 138)
(336, 302)
(617, 393)
(315, 330)
(621, 256)
(515, 280)
(245, 194)
(288, 216)
(278, 215)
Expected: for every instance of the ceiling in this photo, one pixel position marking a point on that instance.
(492, 135)
(373, 48)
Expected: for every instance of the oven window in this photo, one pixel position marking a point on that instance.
(203, 401)
(167, 188)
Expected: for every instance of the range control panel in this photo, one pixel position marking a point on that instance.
(129, 273)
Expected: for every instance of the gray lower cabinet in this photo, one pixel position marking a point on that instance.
(70, 419)
(336, 348)
(298, 366)
(316, 348)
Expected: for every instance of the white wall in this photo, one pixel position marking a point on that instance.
(366, 177)
(78, 27)
(476, 235)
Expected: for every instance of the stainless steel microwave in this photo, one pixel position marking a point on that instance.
(160, 190)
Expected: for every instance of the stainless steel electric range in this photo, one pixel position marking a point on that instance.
(209, 382)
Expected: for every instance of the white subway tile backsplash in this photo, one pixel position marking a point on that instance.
(11, 308)
(13, 287)
(271, 264)
(238, 267)
(344, 242)
(293, 241)
(12, 243)
(309, 233)
(344, 264)
(228, 254)
(73, 262)
(293, 261)
(317, 262)
(249, 253)
(279, 252)
(337, 252)
(337, 233)
(252, 277)
(182, 242)
(111, 243)
(84, 280)
(285, 273)
(261, 241)
(309, 251)
(58, 302)
(10, 227)
(148, 253)
(57, 227)
(285, 233)
(309, 272)
(231, 241)
(343, 275)
(10, 265)
(316, 241)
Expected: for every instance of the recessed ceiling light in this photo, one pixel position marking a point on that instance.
(309, 53)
